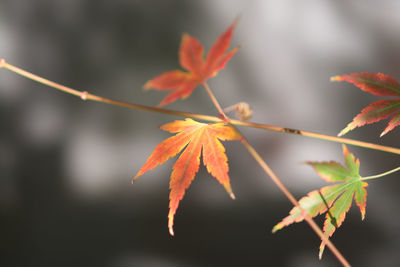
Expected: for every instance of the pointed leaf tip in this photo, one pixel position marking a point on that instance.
(140, 173)
(134, 179)
(277, 227)
(171, 231)
(336, 78)
(363, 215)
(146, 86)
(321, 251)
(235, 22)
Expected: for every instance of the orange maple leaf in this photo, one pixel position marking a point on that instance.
(196, 137)
(199, 70)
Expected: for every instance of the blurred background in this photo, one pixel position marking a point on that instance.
(66, 197)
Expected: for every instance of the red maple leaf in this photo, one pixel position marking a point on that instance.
(377, 84)
(194, 138)
(182, 83)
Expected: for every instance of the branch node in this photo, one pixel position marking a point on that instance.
(84, 95)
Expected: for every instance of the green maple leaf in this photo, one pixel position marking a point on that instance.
(335, 199)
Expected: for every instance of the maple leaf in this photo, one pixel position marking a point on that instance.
(195, 138)
(377, 84)
(182, 83)
(334, 199)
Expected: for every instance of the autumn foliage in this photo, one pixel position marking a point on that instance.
(335, 199)
(198, 141)
(182, 83)
(193, 137)
(377, 84)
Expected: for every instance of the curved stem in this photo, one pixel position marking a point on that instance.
(381, 174)
(87, 96)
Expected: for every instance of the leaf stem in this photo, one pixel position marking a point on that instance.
(279, 184)
(381, 174)
(87, 96)
(216, 103)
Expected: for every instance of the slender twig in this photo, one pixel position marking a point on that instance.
(280, 185)
(295, 203)
(381, 174)
(335, 139)
(87, 96)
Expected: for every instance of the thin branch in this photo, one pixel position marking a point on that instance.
(87, 96)
(280, 185)
(381, 174)
(325, 137)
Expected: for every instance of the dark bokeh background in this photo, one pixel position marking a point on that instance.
(66, 165)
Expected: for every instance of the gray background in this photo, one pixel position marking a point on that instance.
(66, 165)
